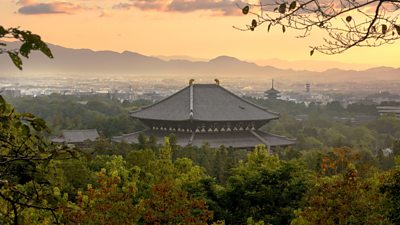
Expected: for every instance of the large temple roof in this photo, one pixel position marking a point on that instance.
(204, 102)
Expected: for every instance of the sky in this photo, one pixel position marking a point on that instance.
(195, 28)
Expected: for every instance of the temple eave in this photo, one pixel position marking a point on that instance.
(202, 125)
(188, 119)
(235, 139)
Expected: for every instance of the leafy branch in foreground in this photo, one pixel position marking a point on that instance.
(30, 42)
(347, 23)
(24, 159)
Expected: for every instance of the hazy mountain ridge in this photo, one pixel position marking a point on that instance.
(88, 62)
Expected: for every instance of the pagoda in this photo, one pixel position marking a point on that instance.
(207, 114)
(272, 93)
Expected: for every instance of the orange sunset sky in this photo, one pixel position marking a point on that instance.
(196, 28)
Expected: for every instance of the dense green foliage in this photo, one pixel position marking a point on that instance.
(109, 117)
(263, 188)
(24, 159)
(337, 174)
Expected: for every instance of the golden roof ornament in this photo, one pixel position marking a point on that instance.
(216, 81)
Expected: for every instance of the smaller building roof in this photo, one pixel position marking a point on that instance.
(76, 136)
(272, 91)
(237, 139)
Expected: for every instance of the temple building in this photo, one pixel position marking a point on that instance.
(76, 137)
(207, 114)
(272, 93)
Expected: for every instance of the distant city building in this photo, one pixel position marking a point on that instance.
(382, 110)
(308, 87)
(272, 93)
(122, 96)
(151, 96)
(11, 93)
(387, 152)
(383, 96)
(207, 114)
(76, 137)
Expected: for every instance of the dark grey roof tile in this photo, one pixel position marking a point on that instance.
(211, 102)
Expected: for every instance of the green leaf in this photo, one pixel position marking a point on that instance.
(397, 29)
(282, 8)
(384, 28)
(283, 29)
(2, 104)
(3, 31)
(246, 10)
(25, 49)
(312, 52)
(39, 124)
(18, 124)
(254, 23)
(348, 19)
(15, 59)
(292, 5)
(46, 50)
(25, 130)
(28, 115)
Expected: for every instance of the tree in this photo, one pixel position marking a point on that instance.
(343, 199)
(152, 191)
(264, 188)
(30, 41)
(110, 203)
(169, 204)
(347, 23)
(341, 195)
(391, 189)
(24, 156)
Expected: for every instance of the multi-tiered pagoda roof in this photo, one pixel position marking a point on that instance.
(207, 113)
(272, 93)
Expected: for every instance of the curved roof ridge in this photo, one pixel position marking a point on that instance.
(73, 130)
(272, 90)
(136, 132)
(251, 103)
(191, 106)
(279, 136)
(162, 100)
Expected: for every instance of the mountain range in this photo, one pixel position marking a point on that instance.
(80, 62)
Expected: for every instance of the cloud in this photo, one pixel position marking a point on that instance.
(158, 5)
(224, 7)
(125, 6)
(25, 2)
(30, 7)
